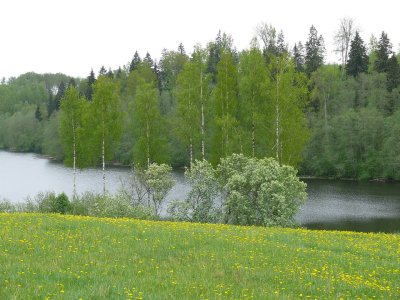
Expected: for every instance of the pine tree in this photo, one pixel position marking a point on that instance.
(383, 52)
(136, 60)
(358, 59)
(393, 73)
(315, 50)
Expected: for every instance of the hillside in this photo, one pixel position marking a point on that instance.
(69, 257)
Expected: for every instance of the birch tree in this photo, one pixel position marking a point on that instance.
(288, 94)
(150, 145)
(253, 91)
(225, 109)
(107, 116)
(73, 108)
(343, 39)
(192, 94)
(199, 58)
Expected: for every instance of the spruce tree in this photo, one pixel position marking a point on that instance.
(281, 46)
(393, 73)
(181, 49)
(358, 58)
(110, 74)
(50, 104)
(136, 60)
(383, 52)
(71, 83)
(298, 56)
(102, 71)
(89, 89)
(38, 114)
(148, 59)
(59, 95)
(315, 49)
(119, 73)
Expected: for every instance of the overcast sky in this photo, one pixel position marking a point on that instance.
(50, 36)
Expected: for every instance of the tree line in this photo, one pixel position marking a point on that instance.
(266, 101)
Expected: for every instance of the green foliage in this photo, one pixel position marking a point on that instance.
(259, 191)
(21, 131)
(51, 142)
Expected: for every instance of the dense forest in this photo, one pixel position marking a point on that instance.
(270, 100)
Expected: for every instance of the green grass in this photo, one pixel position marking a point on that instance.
(69, 257)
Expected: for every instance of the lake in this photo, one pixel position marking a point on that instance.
(331, 205)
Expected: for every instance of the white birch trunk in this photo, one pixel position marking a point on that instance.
(277, 119)
(227, 109)
(104, 164)
(148, 143)
(326, 110)
(202, 113)
(191, 152)
(74, 159)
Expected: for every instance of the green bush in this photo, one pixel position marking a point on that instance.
(50, 203)
(90, 204)
(200, 204)
(7, 206)
(259, 191)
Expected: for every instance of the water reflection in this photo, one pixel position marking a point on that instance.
(339, 205)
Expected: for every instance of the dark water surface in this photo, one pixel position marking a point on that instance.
(332, 204)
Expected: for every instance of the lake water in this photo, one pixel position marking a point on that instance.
(332, 204)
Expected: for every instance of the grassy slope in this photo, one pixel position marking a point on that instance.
(81, 257)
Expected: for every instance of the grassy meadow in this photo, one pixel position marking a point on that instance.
(69, 257)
